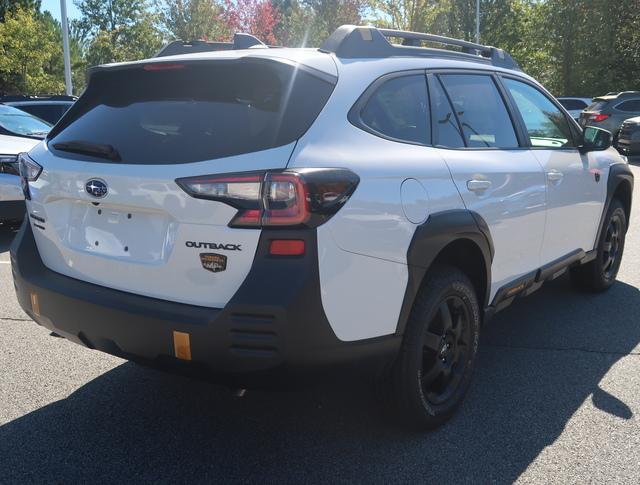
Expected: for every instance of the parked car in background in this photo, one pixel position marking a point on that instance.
(12, 206)
(629, 138)
(47, 108)
(574, 105)
(14, 122)
(611, 110)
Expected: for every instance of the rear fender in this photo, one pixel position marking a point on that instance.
(431, 238)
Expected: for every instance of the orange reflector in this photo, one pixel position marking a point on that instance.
(182, 345)
(286, 247)
(35, 304)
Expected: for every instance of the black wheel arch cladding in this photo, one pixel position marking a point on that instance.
(440, 231)
(620, 184)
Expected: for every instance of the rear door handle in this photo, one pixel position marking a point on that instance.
(478, 185)
(554, 176)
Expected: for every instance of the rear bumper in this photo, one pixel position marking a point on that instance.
(12, 210)
(274, 326)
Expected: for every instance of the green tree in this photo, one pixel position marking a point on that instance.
(55, 66)
(28, 48)
(9, 6)
(118, 30)
(295, 22)
(402, 14)
(310, 22)
(191, 19)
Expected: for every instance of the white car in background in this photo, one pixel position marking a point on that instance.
(574, 106)
(19, 132)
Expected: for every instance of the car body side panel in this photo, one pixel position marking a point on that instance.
(10, 188)
(513, 206)
(363, 248)
(575, 202)
(361, 295)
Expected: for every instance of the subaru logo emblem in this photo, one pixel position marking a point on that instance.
(96, 188)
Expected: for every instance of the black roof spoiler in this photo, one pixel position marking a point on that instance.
(240, 41)
(351, 41)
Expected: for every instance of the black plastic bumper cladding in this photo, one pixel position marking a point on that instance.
(274, 324)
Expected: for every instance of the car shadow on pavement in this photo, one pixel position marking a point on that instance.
(539, 361)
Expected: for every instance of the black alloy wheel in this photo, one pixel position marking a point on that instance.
(433, 369)
(611, 249)
(447, 345)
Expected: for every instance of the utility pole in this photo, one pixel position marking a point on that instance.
(477, 21)
(65, 48)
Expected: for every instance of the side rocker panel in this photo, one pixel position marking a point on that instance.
(430, 238)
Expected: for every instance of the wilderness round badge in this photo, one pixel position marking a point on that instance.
(213, 262)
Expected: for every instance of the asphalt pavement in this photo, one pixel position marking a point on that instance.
(555, 398)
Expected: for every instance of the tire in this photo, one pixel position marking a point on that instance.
(434, 366)
(598, 275)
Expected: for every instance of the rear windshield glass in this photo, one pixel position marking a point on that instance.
(17, 122)
(597, 106)
(191, 112)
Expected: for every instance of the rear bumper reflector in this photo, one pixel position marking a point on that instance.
(182, 345)
(286, 247)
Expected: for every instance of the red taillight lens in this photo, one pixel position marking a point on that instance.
(286, 247)
(286, 201)
(598, 118)
(306, 197)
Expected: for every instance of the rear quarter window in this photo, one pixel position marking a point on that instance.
(631, 106)
(398, 110)
(194, 112)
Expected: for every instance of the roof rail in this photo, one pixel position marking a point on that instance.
(350, 41)
(240, 41)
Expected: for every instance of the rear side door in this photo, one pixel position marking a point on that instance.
(496, 176)
(575, 186)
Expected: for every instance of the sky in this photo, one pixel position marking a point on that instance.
(53, 6)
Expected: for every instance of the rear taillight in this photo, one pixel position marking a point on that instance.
(29, 172)
(597, 118)
(303, 197)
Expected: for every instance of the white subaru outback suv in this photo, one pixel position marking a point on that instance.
(257, 213)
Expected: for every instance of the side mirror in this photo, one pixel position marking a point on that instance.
(595, 139)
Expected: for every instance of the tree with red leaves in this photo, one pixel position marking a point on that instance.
(256, 17)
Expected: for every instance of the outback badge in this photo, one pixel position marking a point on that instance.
(213, 262)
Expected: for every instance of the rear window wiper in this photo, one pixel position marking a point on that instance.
(87, 148)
